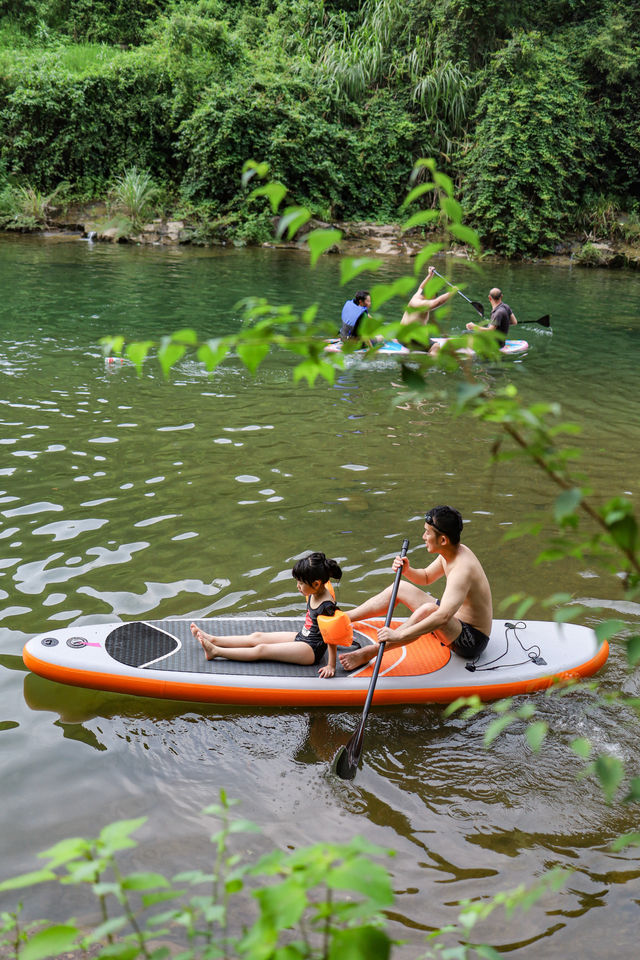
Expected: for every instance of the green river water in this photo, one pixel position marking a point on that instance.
(125, 497)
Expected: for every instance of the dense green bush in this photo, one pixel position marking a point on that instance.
(55, 125)
(102, 21)
(532, 109)
(332, 165)
(534, 145)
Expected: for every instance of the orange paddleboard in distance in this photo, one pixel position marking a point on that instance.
(161, 658)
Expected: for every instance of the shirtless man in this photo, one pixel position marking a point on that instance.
(419, 307)
(461, 619)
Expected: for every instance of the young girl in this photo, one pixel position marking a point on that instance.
(307, 646)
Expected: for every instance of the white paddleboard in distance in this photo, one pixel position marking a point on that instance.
(511, 348)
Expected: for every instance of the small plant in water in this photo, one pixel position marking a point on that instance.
(135, 191)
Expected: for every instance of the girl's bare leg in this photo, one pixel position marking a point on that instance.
(244, 640)
(283, 651)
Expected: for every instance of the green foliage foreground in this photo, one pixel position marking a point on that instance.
(322, 902)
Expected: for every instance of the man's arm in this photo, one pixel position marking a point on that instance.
(415, 575)
(452, 599)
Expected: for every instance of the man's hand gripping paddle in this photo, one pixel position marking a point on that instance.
(345, 762)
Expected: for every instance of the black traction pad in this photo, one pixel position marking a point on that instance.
(170, 645)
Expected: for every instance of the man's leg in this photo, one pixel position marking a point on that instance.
(358, 658)
(408, 594)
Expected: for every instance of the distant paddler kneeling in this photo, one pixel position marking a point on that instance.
(352, 314)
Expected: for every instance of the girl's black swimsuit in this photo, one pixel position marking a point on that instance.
(310, 632)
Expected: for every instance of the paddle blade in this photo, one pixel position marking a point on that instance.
(345, 763)
(478, 308)
(544, 321)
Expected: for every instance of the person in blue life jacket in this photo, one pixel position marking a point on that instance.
(352, 314)
(419, 308)
(501, 319)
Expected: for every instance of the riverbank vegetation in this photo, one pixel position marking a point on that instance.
(530, 109)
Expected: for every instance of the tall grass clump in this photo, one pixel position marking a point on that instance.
(135, 191)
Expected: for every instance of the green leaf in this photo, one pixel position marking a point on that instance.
(107, 929)
(187, 336)
(65, 850)
(50, 942)
(607, 629)
(213, 352)
(634, 791)
(425, 255)
(251, 168)
(420, 218)
(445, 182)
(582, 747)
(282, 905)
(496, 727)
(453, 210)
(486, 952)
(383, 292)
(351, 267)
(566, 504)
(275, 193)
(626, 840)
(360, 943)
(144, 881)
(137, 353)
(112, 345)
(633, 651)
(418, 191)
(465, 234)
(27, 880)
(252, 354)
(536, 732)
(412, 378)
(311, 369)
(117, 836)
(319, 241)
(610, 772)
(362, 876)
(291, 221)
(169, 353)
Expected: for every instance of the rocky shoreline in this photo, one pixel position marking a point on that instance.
(360, 238)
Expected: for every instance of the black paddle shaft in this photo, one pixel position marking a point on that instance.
(474, 303)
(346, 761)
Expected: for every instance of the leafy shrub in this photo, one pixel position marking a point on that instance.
(533, 148)
(323, 901)
(333, 166)
(55, 125)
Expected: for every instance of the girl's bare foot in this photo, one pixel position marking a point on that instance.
(206, 642)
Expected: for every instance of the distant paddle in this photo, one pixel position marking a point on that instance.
(543, 321)
(474, 303)
(345, 763)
